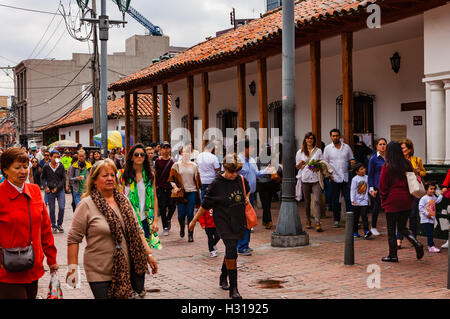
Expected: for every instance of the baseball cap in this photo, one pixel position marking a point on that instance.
(165, 145)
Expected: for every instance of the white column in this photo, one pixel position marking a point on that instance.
(436, 137)
(447, 121)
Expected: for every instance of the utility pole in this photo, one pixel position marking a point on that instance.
(104, 24)
(233, 18)
(95, 79)
(289, 231)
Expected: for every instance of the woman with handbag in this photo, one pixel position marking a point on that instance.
(228, 196)
(24, 226)
(309, 177)
(396, 199)
(117, 253)
(185, 180)
(408, 151)
(137, 181)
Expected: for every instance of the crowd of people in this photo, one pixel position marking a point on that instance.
(118, 200)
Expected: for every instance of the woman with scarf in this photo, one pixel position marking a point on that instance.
(117, 253)
(137, 182)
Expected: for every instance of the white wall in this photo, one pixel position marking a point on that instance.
(372, 75)
(84, 131)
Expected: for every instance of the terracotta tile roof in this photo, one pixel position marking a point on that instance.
(243, 38)
(116, 109)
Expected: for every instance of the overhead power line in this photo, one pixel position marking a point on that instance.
(30, 10)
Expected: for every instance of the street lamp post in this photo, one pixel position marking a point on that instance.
(289, 231)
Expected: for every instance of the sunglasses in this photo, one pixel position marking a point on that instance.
(139, 154)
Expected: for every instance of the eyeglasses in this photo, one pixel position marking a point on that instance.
(139, 154)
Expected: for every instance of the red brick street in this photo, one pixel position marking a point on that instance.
(310, 272)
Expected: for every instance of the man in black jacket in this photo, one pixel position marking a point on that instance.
(53, 179)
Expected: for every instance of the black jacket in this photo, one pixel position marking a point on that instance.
(53, 179)
(227, 200)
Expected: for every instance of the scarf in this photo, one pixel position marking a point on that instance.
(121, 285)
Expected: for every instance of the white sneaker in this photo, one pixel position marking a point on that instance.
(445, 245)
(165, 232)
(215, 247)
(374, 232)
(213, 253)
(433, 249)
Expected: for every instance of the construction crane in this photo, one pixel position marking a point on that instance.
(152, 29)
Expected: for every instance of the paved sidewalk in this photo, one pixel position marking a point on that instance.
(313, 271)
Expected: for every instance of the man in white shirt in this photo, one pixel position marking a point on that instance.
(208, 166)
(340, 156)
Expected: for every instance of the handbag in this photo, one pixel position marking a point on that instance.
(250, 214)
(21, 258)
(275, 177)
(415, 185)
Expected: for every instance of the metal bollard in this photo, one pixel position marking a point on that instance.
(349, 256)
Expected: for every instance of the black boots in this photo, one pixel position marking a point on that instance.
(234, 293)
(390, 259)
(190, 236)
(417, 245)
(182, 225)
(223, 282)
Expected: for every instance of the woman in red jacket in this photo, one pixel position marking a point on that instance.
(396, 199)
(19, 200)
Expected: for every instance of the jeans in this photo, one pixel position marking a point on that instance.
(336, 190)
(360, 211)
(327, 192)
(243, 244)
(187, 209)
(165, 205)
(76, 197)
(61, 196)
(429, 229)
(396, 220)
(203, 190)
(266, 191)
(376, 207)
(309, 190)
(146, 228)
(412, 219)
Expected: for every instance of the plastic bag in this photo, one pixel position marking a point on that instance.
(54, 288)
(154, 241)
(73, 280)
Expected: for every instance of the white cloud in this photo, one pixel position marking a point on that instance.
(187, 22)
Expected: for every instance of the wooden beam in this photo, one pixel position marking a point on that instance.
(263, 101)
(242, 101)
(165, 112)
(135, 117)
(347, 86)
(190, 105)
(205, 104)
(316, 101)
(127, 122)
(414, 106)
(155, 115)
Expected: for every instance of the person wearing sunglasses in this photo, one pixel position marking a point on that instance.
(137, 181)
(45, 160)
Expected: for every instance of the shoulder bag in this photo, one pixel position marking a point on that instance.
(21, 258)
(415, 185)
(250, 214)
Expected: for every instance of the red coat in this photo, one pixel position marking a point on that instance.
(447, 184)
(394, 192)
(15, 229)
(207, 221)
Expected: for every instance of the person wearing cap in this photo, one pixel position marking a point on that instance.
(78, 175)
(66, 160)
(163, 166)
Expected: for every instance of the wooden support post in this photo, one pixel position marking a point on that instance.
(127, 122)
(316, 102)
(155, 115)
(135, 117)
(242, 101)
(190, 105)
(205, 104)
(347, 92)
(262, 88)
(165, 112)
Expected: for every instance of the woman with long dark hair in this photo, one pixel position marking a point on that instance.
(396, 199)
(309, 177)
(138, 183)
